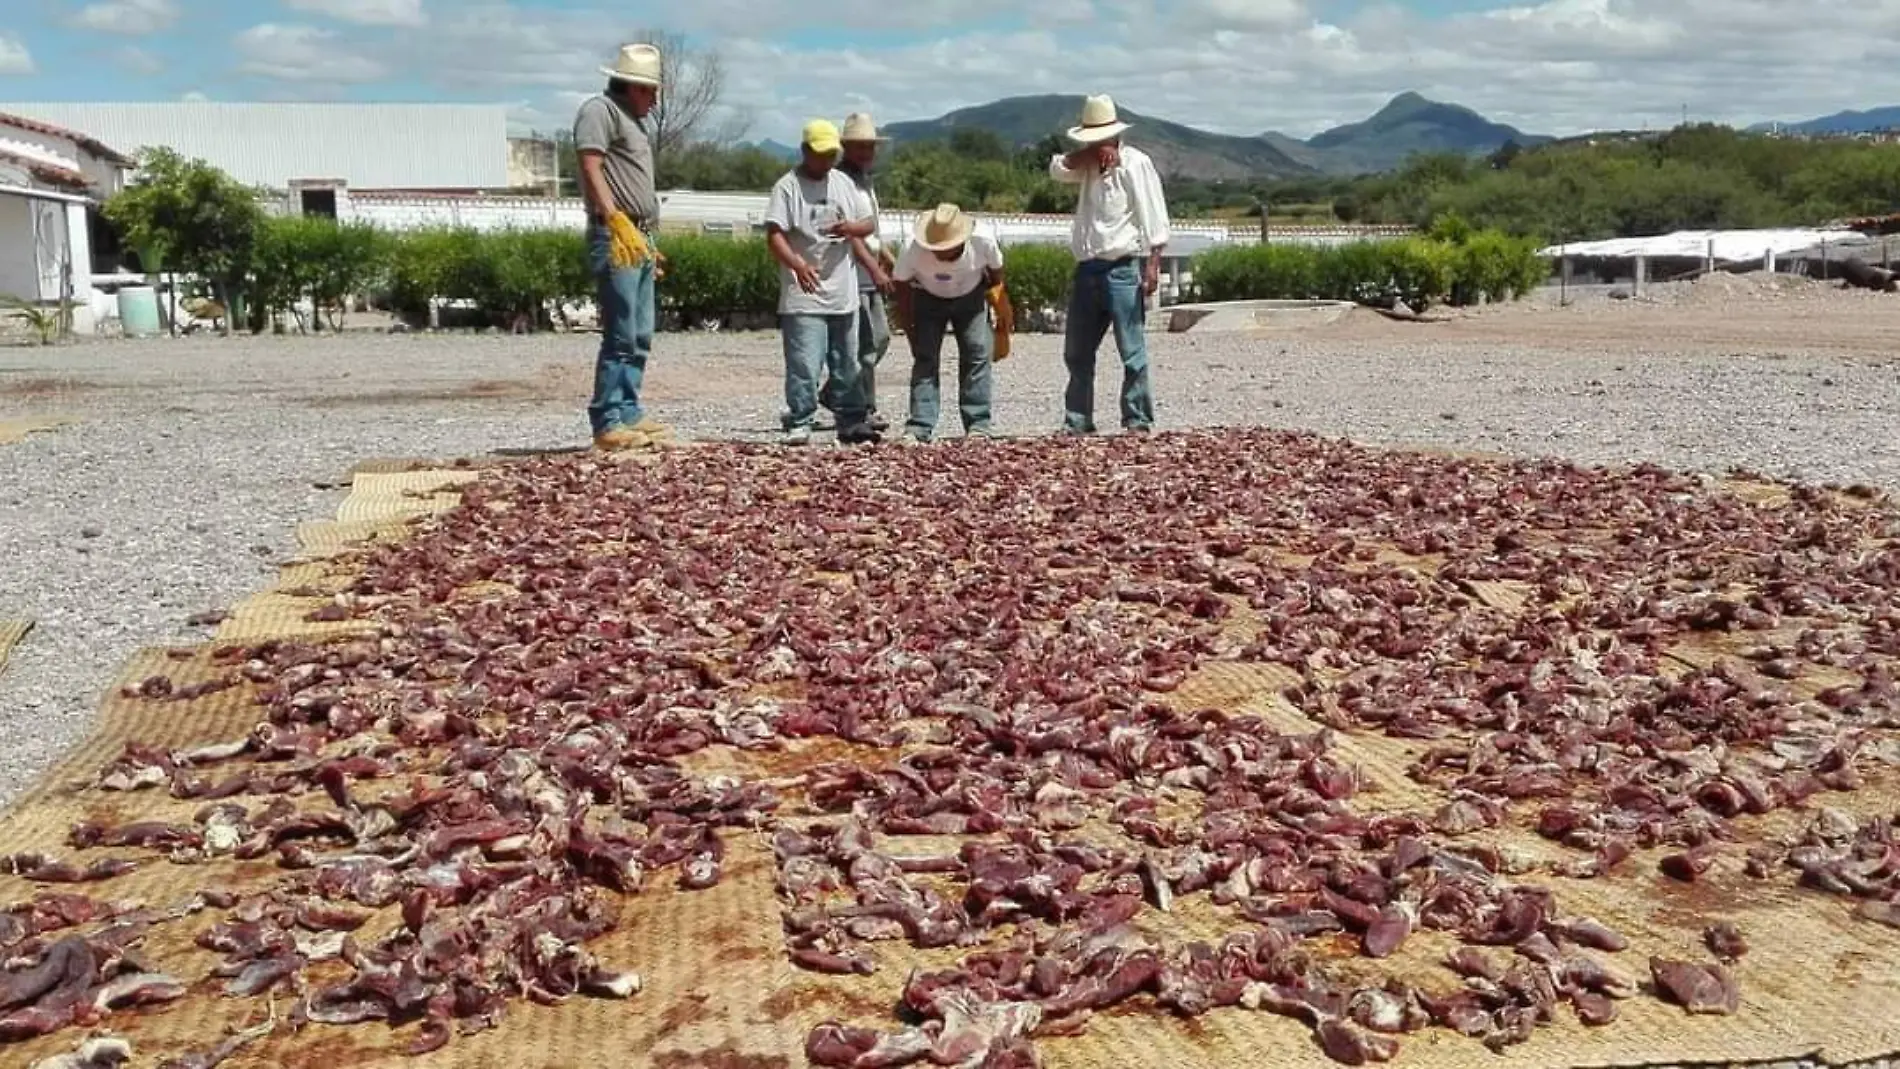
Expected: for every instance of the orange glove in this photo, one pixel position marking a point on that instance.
(627, 247)
(1003, 318)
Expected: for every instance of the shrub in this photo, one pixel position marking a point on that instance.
(294, 258)
(521, 271)
(1496, 266)
(433, 264)
(1259, 272)
(1455, 263)
(716, 278)
(1038, 277)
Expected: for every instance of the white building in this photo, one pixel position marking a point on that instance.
(310, 146)
(51, 182)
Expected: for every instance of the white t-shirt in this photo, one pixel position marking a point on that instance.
(949, 279)
(803, 208)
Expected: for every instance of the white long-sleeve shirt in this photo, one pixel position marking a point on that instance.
(1119, 214)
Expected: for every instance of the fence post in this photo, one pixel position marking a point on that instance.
(1642, 275)
(1824, 259)
(1708, 264)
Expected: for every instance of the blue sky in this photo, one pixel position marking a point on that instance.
(1240, 66)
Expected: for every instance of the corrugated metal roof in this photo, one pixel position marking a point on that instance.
(1729, 246)
(444, 146)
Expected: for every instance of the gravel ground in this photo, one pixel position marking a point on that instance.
(193, 460)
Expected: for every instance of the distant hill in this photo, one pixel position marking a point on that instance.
(1409, 124)
(1844, 122)
(776, 149)
(1178, 150)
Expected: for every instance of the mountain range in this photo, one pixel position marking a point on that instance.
(1841, 122)
(1408, 124)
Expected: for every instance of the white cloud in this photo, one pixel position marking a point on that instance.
(133, 17)
(303, 54)
(365, 12)
(14, 58)
(1237, 66)
(137, 60)
(193, 97)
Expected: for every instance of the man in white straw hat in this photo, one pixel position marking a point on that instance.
(808, 220)
(943, 279)
(623, 209)
(861, 141)
(1121, 226)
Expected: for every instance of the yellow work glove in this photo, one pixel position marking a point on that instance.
(626, 246)
(1003, 318)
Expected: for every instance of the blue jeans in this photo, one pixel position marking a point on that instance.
(813, 345)
(874, 340)
(1107, 294)
(627, 320)
(968, 317)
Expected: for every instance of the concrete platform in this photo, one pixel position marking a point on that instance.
(1223, 316)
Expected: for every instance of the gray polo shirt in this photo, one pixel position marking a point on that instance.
(604, 126)
(803, 207)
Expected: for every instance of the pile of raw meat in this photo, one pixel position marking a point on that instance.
(986, 646)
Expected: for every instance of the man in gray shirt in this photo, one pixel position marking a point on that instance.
(809, 223)
(623, 210)
(861, 141)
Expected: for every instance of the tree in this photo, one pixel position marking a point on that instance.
(191, 215)
(693, 83)
(1506, 155)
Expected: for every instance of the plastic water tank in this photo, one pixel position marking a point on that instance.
(138, 311)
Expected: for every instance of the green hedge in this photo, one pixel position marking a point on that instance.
(524, 276)
(507, 273)
(1453, 265)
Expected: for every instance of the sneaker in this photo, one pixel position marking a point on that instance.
(858, 434)
(879, 423)
(796, 436)
(981, 431)
(1070, 432)
(1138, 428)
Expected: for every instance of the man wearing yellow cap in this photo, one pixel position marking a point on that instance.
(809, 224)
(616, 163)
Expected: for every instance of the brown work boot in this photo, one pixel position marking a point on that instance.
(647, 432)
(650, 429)
(617, 439)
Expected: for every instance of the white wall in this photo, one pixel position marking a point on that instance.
(394, 212)
(84, 321)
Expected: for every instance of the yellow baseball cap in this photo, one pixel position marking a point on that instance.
(821, 135)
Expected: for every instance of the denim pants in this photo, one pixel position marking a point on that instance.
(874, 340)
(813, 345)
(968, 317)
(1107, 294)
(626, 336)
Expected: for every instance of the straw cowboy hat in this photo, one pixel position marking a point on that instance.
(639, 64)
(945, 228)
(859, 127)
(1099, 122)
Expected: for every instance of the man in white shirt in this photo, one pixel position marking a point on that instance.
(861, 141)
(944, 278)
(1121, 227)
(809, 221)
